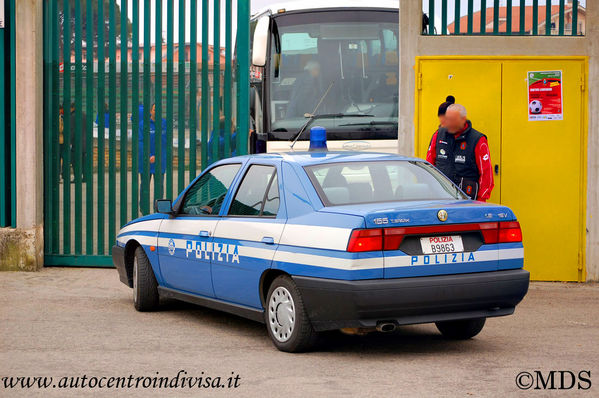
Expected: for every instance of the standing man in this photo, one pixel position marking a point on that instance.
(450, 100)
(462, 154)
(64, 167)
(145, 189)
(78, 133)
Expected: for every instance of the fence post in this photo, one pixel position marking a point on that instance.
(243, 75)
(193, 71)
(205, 87)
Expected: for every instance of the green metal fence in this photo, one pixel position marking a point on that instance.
(7, 117)
(126, 119)
(506, 17)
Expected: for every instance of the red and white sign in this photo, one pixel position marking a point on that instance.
(545, 95)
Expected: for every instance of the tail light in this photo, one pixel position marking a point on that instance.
(503, 232)
(393, 238)
(364, 240)
(509, 232)
(490, 231)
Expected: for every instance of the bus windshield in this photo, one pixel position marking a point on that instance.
(334, 62)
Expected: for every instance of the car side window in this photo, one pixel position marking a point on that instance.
(271, 201)
(206, 196)
(258, 194)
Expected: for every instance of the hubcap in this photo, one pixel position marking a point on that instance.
(135, 279)
(281, 314)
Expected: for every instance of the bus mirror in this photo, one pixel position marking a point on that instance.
(260, 41)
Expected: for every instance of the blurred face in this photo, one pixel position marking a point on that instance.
(315, 70)
(454, 121)
(442, 120)
(153, 112)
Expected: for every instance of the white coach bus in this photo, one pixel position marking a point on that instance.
(328, 63)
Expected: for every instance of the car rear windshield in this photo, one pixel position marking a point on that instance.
(380, 181)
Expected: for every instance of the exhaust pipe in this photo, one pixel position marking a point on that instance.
(386, 327)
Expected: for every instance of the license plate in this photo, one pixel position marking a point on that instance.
(441, 244)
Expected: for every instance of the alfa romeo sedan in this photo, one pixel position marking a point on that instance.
(315, 241)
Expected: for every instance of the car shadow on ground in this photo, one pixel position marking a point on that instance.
(409, 339)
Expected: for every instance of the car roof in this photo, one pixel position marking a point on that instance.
(310, 158)
(289, 6)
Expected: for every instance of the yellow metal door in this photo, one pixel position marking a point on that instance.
(476, 84)
(543, 169)
(541, 164)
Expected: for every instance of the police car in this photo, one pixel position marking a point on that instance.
(315, 241)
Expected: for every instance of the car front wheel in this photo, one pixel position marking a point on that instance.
(286, 319)
(461, 329)
(145, 287)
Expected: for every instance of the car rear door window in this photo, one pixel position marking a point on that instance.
(258, 194)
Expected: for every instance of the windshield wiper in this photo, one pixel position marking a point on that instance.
(311, 116)
(371, 123)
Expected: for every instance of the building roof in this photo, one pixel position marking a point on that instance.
(528, 21)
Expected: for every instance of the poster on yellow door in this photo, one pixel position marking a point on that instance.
(545, 95)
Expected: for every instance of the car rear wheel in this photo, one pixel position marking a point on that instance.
(145, 287)
(461, 329)
(286, 319)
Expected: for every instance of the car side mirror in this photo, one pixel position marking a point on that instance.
(260, 41)
(164, 206)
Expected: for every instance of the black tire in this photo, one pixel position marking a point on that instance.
(145, 287)
(462, 329)
(302, 337)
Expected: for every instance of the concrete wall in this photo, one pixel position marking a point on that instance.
(412, 44)
(23, 248)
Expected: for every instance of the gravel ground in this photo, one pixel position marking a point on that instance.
(75, 321)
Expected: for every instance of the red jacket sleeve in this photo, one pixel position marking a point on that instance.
(431, 155)
(485, 169)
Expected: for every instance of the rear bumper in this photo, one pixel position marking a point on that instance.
(334, 304)
(118, 259)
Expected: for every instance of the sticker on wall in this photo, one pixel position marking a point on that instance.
(545, 99)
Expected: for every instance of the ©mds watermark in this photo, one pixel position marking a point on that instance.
(554, 380)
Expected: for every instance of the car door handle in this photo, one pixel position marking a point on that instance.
(268, 240)
(204, 234)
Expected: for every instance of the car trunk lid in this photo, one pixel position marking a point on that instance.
(441, 237)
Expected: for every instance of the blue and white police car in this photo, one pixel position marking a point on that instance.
(315, 241)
